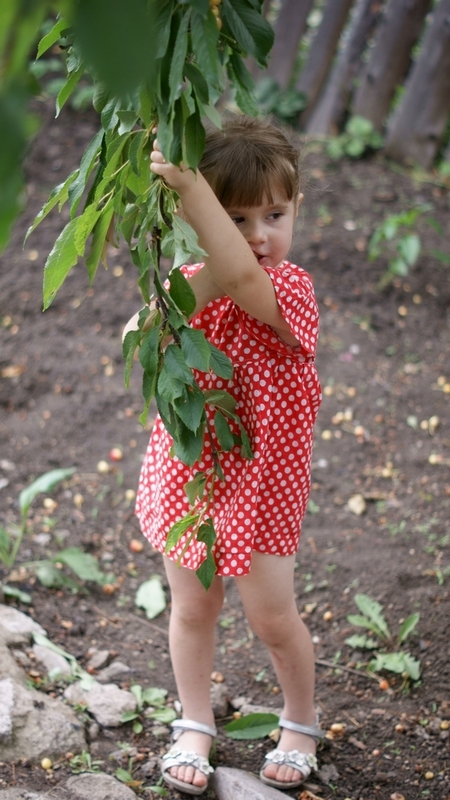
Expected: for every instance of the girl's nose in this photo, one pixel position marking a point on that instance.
(256, 233)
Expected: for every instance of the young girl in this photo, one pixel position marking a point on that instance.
(261, 311)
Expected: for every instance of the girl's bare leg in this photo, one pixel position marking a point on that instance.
(192, 644)
(267, 594)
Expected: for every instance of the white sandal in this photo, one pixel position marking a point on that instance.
(303, 762)
(176, 757)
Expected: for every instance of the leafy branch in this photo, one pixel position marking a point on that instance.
(194, 50)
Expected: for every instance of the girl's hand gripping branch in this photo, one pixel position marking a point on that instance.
(238, 241)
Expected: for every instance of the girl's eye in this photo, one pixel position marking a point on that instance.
(237, 220)
(276, 215)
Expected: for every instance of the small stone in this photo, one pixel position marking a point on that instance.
(98, 659)
(113, 671)
(219, 699)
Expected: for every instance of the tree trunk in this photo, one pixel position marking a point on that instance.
(322, 53)
(419, 124)
(332, 107)
(391, 58)
(289, 28)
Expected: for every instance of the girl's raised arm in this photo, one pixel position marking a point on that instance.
(231, 262)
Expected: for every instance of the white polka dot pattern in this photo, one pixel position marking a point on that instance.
(261, 504)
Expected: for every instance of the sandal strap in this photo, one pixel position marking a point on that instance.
(181, 725)
(176, 757)
(303, 762)
(309, 730)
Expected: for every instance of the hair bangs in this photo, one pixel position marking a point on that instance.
(248, 161)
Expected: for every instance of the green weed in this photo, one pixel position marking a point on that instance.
(358, 136)
(372, 619)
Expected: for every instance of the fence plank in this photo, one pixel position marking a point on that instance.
(289, 28)
(322, 52)
(417, 128)
(390, 60)
(329, 114)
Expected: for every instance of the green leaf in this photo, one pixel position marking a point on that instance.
(169, 387)
(154, 696)
(204, 36)
(84, 565)
(58, 195)
(220, 399)
(194, 140)
(195, 488)
(181, 292)
(178, 57)
(51, 577)
(409, 248)
(69, 86)
(118, 41)
(175, 364)
(194, 75)
(374, 611)
(407, 627)
(123, 774)
(206, 571)
(195, 349)
(190, 407)
(87, 163)
(62, 258)
(187, 445)
(149, 351)
(396, 662)
(45, 483)
(53, 36)
(11, 591)
(398, 266)
(249, 28)
(359, 126)
(99, 240)
(129, 345)
(151, 597)
(252, 726)
(223, 432)
(179, 529)
(163, 715)
(220, 364)
(362, 641)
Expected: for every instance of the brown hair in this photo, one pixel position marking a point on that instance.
(247, 159)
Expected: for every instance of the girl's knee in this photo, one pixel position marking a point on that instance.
(272, 629)
(199, 608)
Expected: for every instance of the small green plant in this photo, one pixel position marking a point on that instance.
(285, 105)
(153, 702)
(373, 620)
(396, 239)
(358, 136)
(84, 763)
(48, 571)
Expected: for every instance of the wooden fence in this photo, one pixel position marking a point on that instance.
(386, 60)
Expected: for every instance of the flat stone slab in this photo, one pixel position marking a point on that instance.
(99, 787)
(235, 784)
(18, 627)
(18, 793)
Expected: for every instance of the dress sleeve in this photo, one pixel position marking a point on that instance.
(295, 295)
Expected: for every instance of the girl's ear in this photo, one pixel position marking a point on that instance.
(299, 202)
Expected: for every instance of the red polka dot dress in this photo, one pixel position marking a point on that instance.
(261, 504)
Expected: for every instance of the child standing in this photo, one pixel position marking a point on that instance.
(261, 311)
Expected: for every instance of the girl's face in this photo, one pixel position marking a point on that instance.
(268, 228)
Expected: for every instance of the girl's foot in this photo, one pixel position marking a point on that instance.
(282, 773)
(192, 742)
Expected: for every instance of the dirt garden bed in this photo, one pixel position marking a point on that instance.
(385, 368)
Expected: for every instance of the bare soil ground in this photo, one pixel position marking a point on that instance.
(385, 368)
